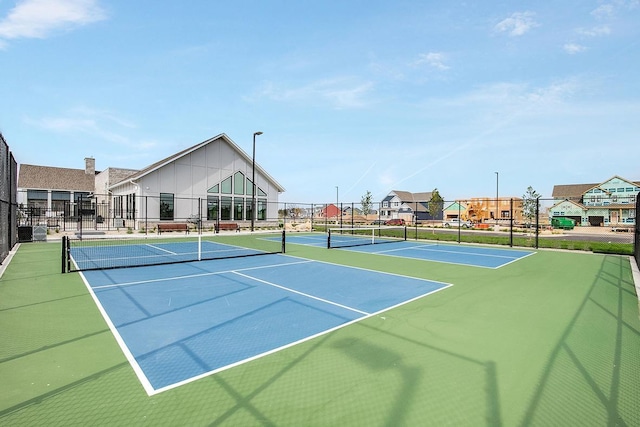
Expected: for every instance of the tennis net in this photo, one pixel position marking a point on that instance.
(81, 254)
(359, 236)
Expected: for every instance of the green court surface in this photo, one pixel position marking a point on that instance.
(552, 339)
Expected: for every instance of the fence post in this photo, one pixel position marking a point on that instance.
(511, 223)
(537, 221)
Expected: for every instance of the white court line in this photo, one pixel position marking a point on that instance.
(190, 276)
(426, 249)
(161, 249)
(303, 294)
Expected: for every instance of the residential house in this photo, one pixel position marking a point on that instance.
(487, 209)
(408, 206)
(611, 202)
(455, 210)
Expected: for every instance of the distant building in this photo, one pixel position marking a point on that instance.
(487, 209)
(408, 206)
(610, 202)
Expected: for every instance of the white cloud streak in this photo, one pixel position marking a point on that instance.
(341, 93)
(41, 18)
(433, 59)
(518, 24)
(573, 48)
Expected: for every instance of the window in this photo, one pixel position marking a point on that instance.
(212, 208)
(166, 206)
(249, 187)
(60, 199)
(225, 208)
(249, 210)
(262, 209)
(238, 208)
(226, 186)
(238, 183)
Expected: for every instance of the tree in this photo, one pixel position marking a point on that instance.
(436, 204)
(529, 204)
(367, 203)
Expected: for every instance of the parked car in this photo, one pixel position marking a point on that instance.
(395, 221)
(456, 222)
(378, 222)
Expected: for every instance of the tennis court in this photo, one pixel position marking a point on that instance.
(181, 322)
(392, 242)
(552, 339)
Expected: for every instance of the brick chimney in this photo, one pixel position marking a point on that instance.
(89, 165)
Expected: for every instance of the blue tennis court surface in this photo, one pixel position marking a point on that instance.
(180, 322)
(477, 256)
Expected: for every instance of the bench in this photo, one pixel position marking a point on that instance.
(172, 226)
(229, 226)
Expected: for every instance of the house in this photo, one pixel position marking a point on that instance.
(329, 211)
(211, 180)
(51, 191)
(611, 202)
(455, 210)
(408, 206)
(487, 209)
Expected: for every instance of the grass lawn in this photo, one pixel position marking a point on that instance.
(553, 339)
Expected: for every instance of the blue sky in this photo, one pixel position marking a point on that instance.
(363, 95)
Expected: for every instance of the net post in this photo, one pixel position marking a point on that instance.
(199, 247)
(405, 232)
(328, 238)
(63, 257)
(68, 254)
(283, 241)
(373, 236)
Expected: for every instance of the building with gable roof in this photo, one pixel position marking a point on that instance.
(611, 202)
(408, 206)
(215, 173)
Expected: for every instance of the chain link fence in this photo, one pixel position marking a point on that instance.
(533, 223)
(536, 223)
(636, 250)
(8, 186)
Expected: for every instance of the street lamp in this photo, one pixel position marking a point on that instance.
(497, 208)
(253, 181)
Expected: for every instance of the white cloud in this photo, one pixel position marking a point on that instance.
(339, 92)
(518, 24)
(603, 11)
(433, 59)
(96, 125)
(573, 48)
(610, 9)
(40, 18)
(601, 30)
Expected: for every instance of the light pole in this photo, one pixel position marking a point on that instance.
(253, 181)
(497, 208)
